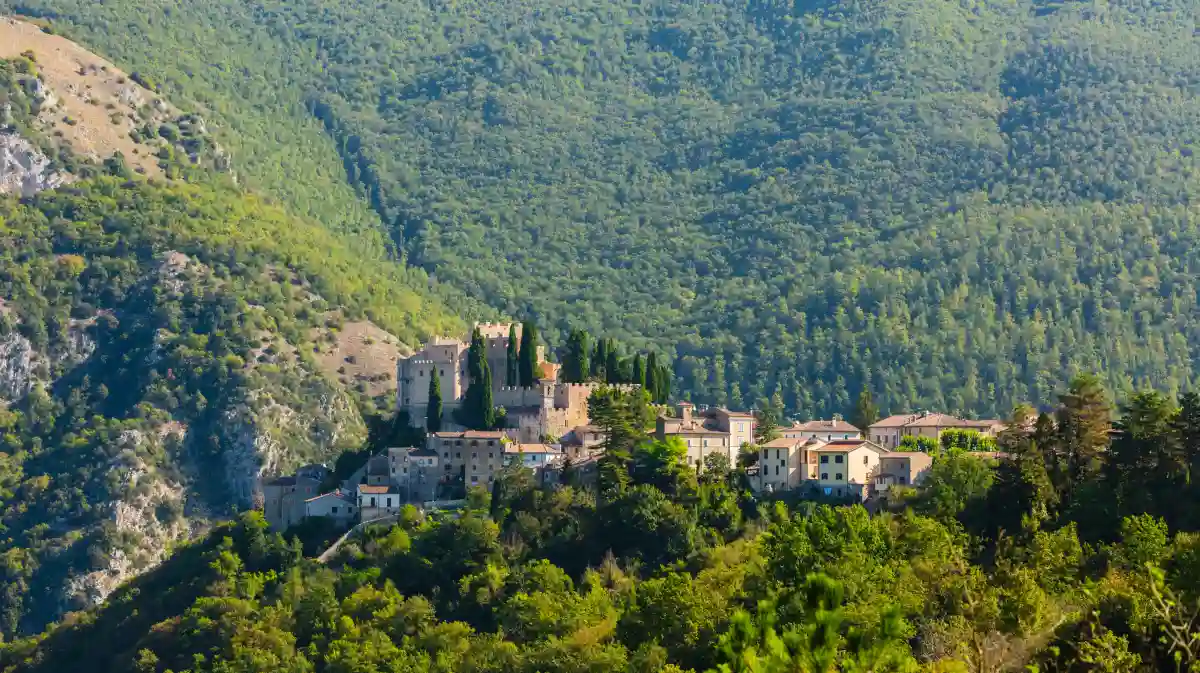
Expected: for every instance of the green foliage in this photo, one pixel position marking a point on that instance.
(148, 305)
(950, 205)
(918, 444)
(528, 356)
(433, 418)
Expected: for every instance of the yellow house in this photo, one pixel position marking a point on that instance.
(847, 467)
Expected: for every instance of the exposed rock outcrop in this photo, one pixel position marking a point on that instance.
(17, 366)
(24, 169)
(148, 520)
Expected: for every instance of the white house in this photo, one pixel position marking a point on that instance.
(378, 501)
(336, 505)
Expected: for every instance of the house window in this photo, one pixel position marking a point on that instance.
(838, 476)
(458, 442)
(474, 455)
(447, 454)
(372, 501)
(839, 459)
(474, 480)
(776, 470)
(334, 510)
(442, 372)
(406, 470)
(491, 442)
(824, 475)
(421, 372)
(865, 460)
(824, 459)
(458, 454)
(902, 480)
(491, 454)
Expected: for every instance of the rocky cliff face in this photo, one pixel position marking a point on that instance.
(147, 519)
(24, 170)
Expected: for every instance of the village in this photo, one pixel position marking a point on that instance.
(548, 431)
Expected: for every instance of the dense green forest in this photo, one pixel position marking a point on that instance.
(951, 204)
(1070, 555)
(157, 344)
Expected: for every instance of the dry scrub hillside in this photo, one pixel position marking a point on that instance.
(96, 107)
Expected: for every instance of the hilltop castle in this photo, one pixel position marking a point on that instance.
(546, 409)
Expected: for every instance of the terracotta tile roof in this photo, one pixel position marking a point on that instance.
(835, 425)
(936, 421)
(897, 421)
(849, 445)
(470, 434)
(784, 443)
(339, 494)
(531, 448)
(374, 490)
(733, 414)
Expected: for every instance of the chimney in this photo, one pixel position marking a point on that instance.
(685, 412)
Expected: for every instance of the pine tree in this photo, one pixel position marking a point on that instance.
(511, 373)
(1083, 423)
(639, 371)
(528, 354)
(433, 414)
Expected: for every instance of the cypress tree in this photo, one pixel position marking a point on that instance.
(511, 374)
(651, 385)
(433, 413)
(639, 371)
(487, 410)
(528, 354)
(612, 367)
(479, 391)
(575, 361)
(600, 359)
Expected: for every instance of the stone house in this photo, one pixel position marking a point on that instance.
(890, 431)
(472, 455)
(901, 469)
(379, 471)
(582, 440)
(284, 498)
(415, 471)
(711, 431)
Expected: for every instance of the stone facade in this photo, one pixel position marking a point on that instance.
(707, 432)
(284, 498)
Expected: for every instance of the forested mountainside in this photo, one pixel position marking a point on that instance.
(948, 203)
(162, 343)
(1070, 555)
